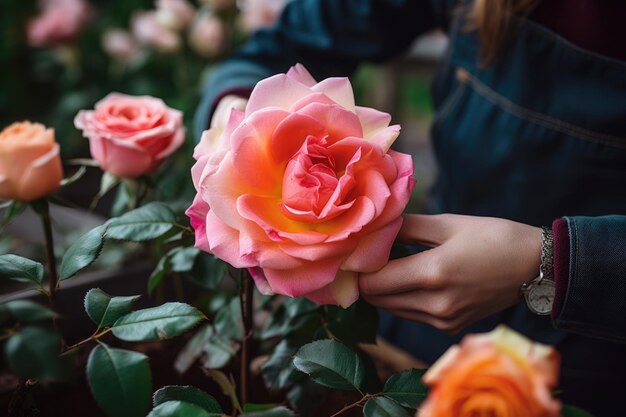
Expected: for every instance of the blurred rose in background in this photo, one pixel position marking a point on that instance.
(60, 21)
(120, 45)
(149, 32)
(174, 14)
(259, 14)
(207, 36)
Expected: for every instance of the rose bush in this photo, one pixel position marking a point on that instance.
(30, 166)
(302, 188)
(131, 135)
(498, 374)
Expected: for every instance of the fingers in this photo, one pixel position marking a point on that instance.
(413, 272)
(429, 230)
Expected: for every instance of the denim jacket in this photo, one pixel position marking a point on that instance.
(538, 136)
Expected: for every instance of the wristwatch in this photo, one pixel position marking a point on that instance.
(539, 293)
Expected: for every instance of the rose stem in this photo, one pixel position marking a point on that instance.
(245, 297)
(42, 208)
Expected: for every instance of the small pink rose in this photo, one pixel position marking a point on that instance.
(174, 14)
(207, 35)
(301, 188)
(30, 165)
(131, 135)
(60, 21)
(149, 32)
(120, 45)
(259, 14)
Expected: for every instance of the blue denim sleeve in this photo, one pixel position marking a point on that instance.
(329, 37)
(595, 301)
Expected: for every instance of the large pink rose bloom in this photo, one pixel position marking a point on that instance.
(301, 188)
(131, 135)
(60, 21)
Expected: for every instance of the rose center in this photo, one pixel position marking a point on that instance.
(310, 177)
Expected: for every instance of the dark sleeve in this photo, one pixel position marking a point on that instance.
(329, 37)
(591, 299)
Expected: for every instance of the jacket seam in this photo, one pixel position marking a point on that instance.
(541, 119)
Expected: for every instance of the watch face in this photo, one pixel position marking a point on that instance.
(541, 297)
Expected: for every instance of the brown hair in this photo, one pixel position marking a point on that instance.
(492, 20)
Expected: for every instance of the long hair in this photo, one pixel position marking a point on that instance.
(494, 24)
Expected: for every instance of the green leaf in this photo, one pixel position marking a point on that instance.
(208, 271)
(406, 388)
(145, 223)
(227, 385)
(279, 371)
(193, 349)
(104, 310)
(356, 324)
(157, 323)
(156, 277)
(383, 407)
(25, 311)
(34, 352)
(82, 253)
(256, 407)
(289, 317)
(273, 412)
(571, 411)
(107, 183)
(183, 259)
(186, 394)
(120, 381)
(21, 269)
(228, 320)
(14, 209)
(180, 409)
(330, 363)
(218, 351)
(306, 397)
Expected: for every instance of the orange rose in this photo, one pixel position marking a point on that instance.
(30, 166)
(497, 374)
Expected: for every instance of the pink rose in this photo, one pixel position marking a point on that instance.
(174, 14)
(131, 135)
(259, 14)
(30, 166)
(499, 374)
(302, 188)
(148, 31)
(61, 21)
(207, 35)
(119, 45)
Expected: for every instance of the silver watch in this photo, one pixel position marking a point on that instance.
(539, 293)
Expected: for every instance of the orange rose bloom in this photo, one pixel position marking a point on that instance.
(497, 374)
(30, 166)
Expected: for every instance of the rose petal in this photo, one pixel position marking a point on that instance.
(297, 282)
(42, 177)
(299, 73)
(352, 221)
(372, 120)
(343, 291)
(122, 159)
(291, 133)
(224, 243)
(260, 281)
(197, 213)
(311, 98)
(386, 137)
(339, 122)
(339, 89)
(278, 91)
(372, 252)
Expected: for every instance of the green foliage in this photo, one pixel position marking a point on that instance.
(13, 209)
(21, 269)
(289, 317)
(120, 381)
(279, 371)
(406, 388)
(83, 252)
(330, 363)
(186, 394)
(228, 320)
(104, 310)
(145, 223)
(207, 271)
(356, 324)
(24, 311)
(157, 323)
(227, 385)
(272, 412)
(384, 407)
(34, 352)
(180, 409)
(571, 411)
(306, 397)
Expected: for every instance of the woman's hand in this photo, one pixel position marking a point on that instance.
(476, 268)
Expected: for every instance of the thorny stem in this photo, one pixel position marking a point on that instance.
(94, 336)
(355, 404)
(245, 297)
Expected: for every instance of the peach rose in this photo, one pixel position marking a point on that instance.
(61, 21)
(302, 188)
(131, 135)
(498, 374)
(30, 166)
